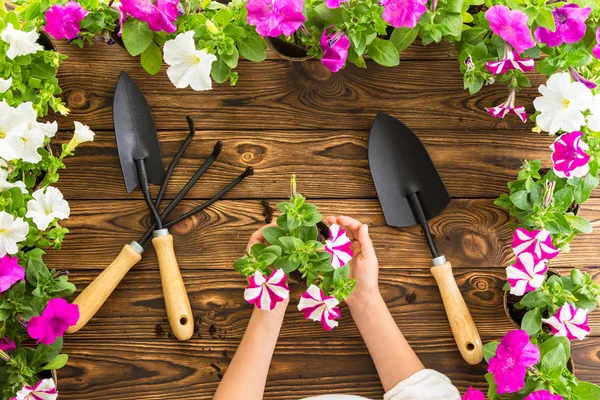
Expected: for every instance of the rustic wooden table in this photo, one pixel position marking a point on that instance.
(285, 118)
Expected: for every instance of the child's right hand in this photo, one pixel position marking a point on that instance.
(364, 266)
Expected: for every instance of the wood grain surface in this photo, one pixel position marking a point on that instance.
(285, 118)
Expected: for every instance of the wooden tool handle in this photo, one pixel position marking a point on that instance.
(463, 328)
(94, 296)
(177, 302)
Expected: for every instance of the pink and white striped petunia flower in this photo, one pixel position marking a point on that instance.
(43, 390)
(526, 274)
(537, 242)
(338, 245)
(267, 292)
(508, 107)
(569, 155)
(318, 307)
(511, 61)
(569, 321)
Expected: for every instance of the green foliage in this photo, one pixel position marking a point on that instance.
(295, 245)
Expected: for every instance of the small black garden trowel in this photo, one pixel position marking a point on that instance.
(411, 191)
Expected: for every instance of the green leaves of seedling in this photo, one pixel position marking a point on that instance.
(137, 36)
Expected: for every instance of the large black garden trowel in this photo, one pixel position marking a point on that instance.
(411, 192)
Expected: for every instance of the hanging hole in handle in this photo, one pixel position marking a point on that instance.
(470, 346)
(184, 320)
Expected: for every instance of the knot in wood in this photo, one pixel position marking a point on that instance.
(474, 245)
(76, 98)
(251, 153)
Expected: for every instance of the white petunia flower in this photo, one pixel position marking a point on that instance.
(20, 43)
(5, 84)
(188, 66)
(593, 120)
(562, 104)
(4, 183)
(46, 205)
(13, 123)
(12, 231)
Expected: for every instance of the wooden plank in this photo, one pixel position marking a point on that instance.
(297, 96)
(471, 233)
(139, 370)
(328, 164)
(136, 309)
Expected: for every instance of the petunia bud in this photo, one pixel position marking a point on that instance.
(549, 193)
(212, 28)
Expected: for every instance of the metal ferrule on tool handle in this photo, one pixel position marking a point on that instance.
(160, 232)
(438, 261)
(137, 247)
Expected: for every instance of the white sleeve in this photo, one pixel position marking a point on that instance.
(424, 385)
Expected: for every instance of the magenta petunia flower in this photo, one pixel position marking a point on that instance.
(334, 3)
(508, 107)
(569, 155)
(335, 50)
(473, 394)
(318, 307)
(6, 344)
(526, 274)
(513, 356)
(577, 77)
(543, 395)
(63, 21)
(267, 292)
(570, 25)
(511, 61)
(160, 16)
(596, 49)
(403, 13)
(537, 242)
(511, 26)
(10, 272)
(275, 17)
(56, 318)
(43, 390)
(570, 322)
(339, 245)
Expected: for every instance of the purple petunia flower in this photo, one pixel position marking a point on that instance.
(570, 25)
(511, 61)
(160, 16)
(596, 49)
(335, 50)
(508, 107)
(403, 13)
(577, 77)
(267, 292)
(6, 344)
(513, 356)
(56, 318)
(10, 272)
(275, 17)
(570, 322)
(511, 26)
(63, 22)
(318, 307)
(543, 395)
(569, 155)
(334, 3)
(526, 274)
(537, 242)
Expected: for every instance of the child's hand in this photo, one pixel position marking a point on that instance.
(364, 266)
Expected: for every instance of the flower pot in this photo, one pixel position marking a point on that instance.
(49, 374)
(46, 41)
(513, 314)
(288, 51)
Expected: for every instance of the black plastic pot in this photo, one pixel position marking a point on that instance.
(288, 51)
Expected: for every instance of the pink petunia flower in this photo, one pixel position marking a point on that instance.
(513, 356)
(538, 242)
(339, 245)
(267, 292)
(403, 13)
(56, 318)
(473, 394)
(10, 272)
(511, 26)
(275, 17)
(526, 274)
(508, 107)
(334, 3)
(318, 307)
(63, 21)
(6, 344)
(543, 395)
(569, 321)
(577, 77)
(335, 50)
(569, 155)
(596, 49)
(43, 390)
(570, 26)
(160, 16)
(511, 61)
